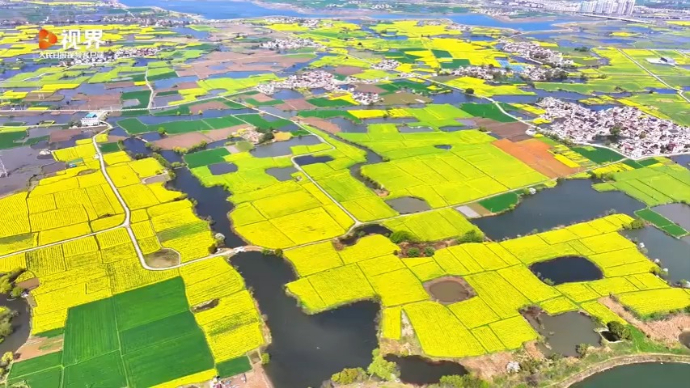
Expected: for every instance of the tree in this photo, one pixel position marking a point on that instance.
(381, 368)
(16, 292)
(428, 251)
(6, 327)
(278, 252)
(5, 286)
(349, 376)
(469, 91)
(413, 252)
(466, 381)
(401, 236)
(161, 131)
(581, 349)
(483, 129)
(473, 235)
(615, 132)
(619, 331)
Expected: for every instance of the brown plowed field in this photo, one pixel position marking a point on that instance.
(536, 154)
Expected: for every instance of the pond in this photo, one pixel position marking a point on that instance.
(282, 148)
(306, 349)
(449, 289)
(311, 159)
(671, 252)
(566, 269)
(643, 375)
(423, 371)
(545, 211)
(407, 205)
(563, 332)
(222, 168)
(281, 173)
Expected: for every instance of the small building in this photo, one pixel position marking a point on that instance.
(91, 120)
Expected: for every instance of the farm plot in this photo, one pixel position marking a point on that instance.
(134, 339)
(464, 174)
(654, 185)
(433, 225)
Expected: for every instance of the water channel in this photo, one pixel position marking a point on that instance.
(570, 202)
(20, 324)
(644, 375)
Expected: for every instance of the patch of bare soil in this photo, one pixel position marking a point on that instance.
(164, 258)
(479, 209)
(365, 88)
(64, 135)
(321, 124)
(255, 378)
(489, 366)
(404, 98)
(295, 104)
(348, 70)
(208, 105)
(205, 306)
(160, 178)
(449, 289)
(39, 346)
(666, 331)
(224, 133)
(86, 172)
(260, 97)
(515, 131)
(184, 140)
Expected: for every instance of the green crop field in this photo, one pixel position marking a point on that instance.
(167, 361)
(500, 202)
(47, 378)
(206, 157)
(24, 368)
(233, 367)
(148, 304)
(91, 331)
(489, 111)
(598, 155)
(106, 370)
(159, 331)
(223, 122)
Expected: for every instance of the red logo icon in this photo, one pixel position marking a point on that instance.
(46, 39)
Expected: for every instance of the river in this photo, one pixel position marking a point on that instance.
(243, 9)
(640, 376)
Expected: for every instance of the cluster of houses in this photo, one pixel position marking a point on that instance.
(289, 43)
(386, 64)
(539, 73)
(366, 98)
(307, 80)
(319, 79)
(536, 53)
(633, 132)
(484, 72)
